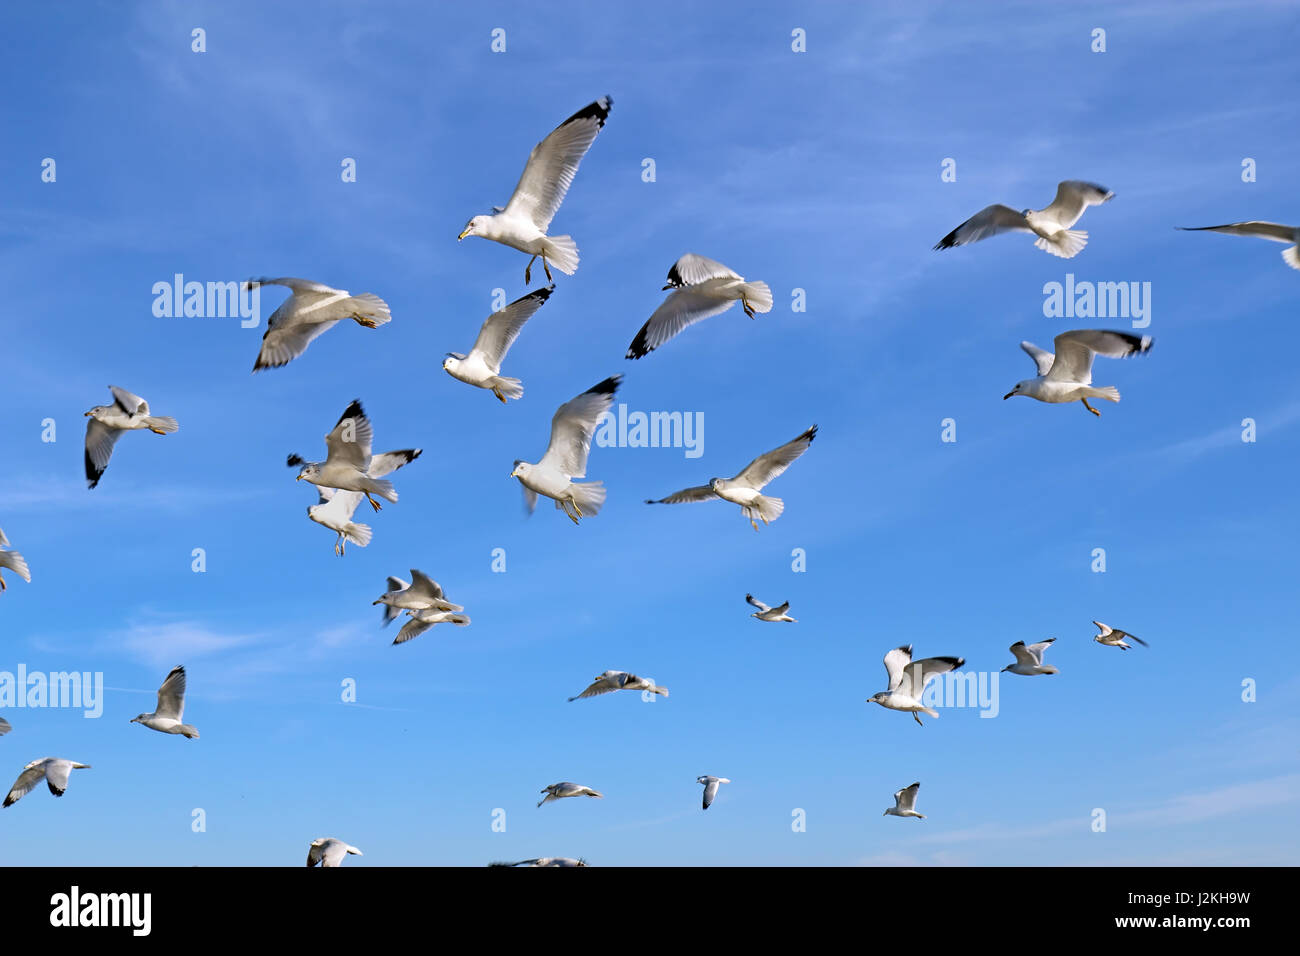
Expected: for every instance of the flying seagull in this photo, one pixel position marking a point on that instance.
(1066, 376)
(546, 861)
(566, 456)
(328, 851)
(12, 560)
(710, 787)
(1051, 225)
(1115, 638)
(482, 367)
(702, 289)
(311, 310)
(53, 770)
(1029, 658)
(348, 463)
(552, 164)
(907, 680)
(904, 801)
(423, 593)
(611, 681)
(774, 614)
(1264, 230)
(107, 423)
(421, 621)
(558, 791)
(336, 508)
(744, 489)
(166, 718)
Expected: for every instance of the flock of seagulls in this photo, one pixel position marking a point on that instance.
(699, 288)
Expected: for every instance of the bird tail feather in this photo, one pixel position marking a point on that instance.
(189, 731)
(358, 534)
(561, 252)
(382, 487)
(764, 508)
(1291, 256)
(1108, 392)
(370, 306)
(509, 387)
(758, 295)
(162, 423)
(1066, 244)
(589, 495)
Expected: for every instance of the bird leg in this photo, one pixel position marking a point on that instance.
(917, 718)
(547, 269)
(744, 304)
(754, 523)
(1090, 408)
(157, 431)
(564, 503)
(3, 586)
(373, 503)
(528, 273)
(366, 321)
(500, 397)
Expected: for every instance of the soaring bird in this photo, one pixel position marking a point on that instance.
(424, 592)
(1263, 230)
(328, 851)
(53, 770)
(1051, 224)
(310, 311)
(558, 791)
(348, 463)
(744, 489)
(107, 423)
(773, 614)
(523, 221)
(710, 787)
(904, 801)
(336, 508)
(546, 861)
(611, 681)
(1066, 376)
(1029, 658)
(1112, 637)
(421, 621)
(702, 289)
(482, 367)
(167, 716)
(907, 680)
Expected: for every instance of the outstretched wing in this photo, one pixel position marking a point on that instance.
(1073, 196)
(171, 695)
(15, 561)
(1023, 654)
(1263, 230)
(919, 673)
(350, 441)
(1042, 358)
(905, 799)
(554, 162)
(684, 307)
(691, 269)
(758, 604)
(131, 404)
(284, 343)
(390, 461)
(698, 493)
(299, 286)
(100, 439)
(501, 328)
(989, 221)
(32, 774)
(1075, 351)
(771, 464)
(895, 662)
(573, 425)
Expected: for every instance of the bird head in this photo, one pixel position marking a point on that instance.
(521, 469)
(452, 360)
(877, 698)
(713, 483)
(471, 227)
(1028, 214)
(137, 719)
(1018, 390)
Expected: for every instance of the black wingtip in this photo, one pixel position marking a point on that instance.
(352, 411)
(607, 387)
(598, 110)
(639, 348)
(948, 241)
(295, 461)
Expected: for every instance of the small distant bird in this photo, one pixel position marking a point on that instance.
(907, 680)
(702, 289)
(347, 466)
(5, 727)
(558, 791)
(53, 770)
(546, 861)
(328, 851)
(611, 681)
(1051, 225)
(12, 560)
(167, 717)
(523, 221)
(1264, 230)
(1115, 638)
(572, 428)
(421, 621)
(312, 310)
(710, 788)
(423, 593)
(1029, 658)
(744, 489)
(904, 801)
(482, 367)
(774, 614)
(107, 424)
(1066, 376)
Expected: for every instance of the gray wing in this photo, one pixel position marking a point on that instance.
(171, 695)
(390, 461)
(554, 162)
(15, 560)
(412, 629)
(56, 775)
(905, 799)
(100, 439)
(284, 343)
(1036, 650)
(530, 499)
(32, 774)
(350, 441)
(131, 404)
(770, 465)
(604, 685)
(573, 425)
(896, 662)
(4, 542)
(698, 493)
(684, 307)
(710, 791)
(1042, 358)
(1263, 230)
(758, 604)
(299, 286)
(919, 673)
(691, 269)
(989, 221)
(1023, 654)
(1073, 196)
(501, 328)
(1075, 351)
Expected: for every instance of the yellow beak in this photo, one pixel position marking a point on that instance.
(463, 234)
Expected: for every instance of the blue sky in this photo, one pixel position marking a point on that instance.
(817, 171)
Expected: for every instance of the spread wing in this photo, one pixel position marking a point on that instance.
(905, 799)
(100, 439)
(554, 162)
(1023, 654)
(282, 344)
(349, 442)
(758, 604)
(989, 221)
(1073, 196)
(691, 269)
(1036, 650)
(698, 493)
(56, 775)
(710, 791)
(895, 662)
(390, 461)
(1075, 351)
(171, 695)
(1263, 230)
(424, 586)
(32, 774)
(919, 673)
(605, 684)
(573, 425)
(770, 465)
(15, 560)
(299, 286)
(501, 328)
(131, 404)
(684, 307)
(1042, 358)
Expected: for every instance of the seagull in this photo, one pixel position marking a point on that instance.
(171, 707)
(107, 423)
(1051, 225)
(907, 680)
(523, 221)
(710, 787)
(558, 791)
(53, 770)
(1029, 658)
(482, 367)
(619, 680)
(335, 508)
(744, 489)
(312, 309)
(773, 614)
(1264, 230)
(328, 851)
(904, 801)
(566, 456)
(546, 861)
(14, 561)
(347, 466)
(1067, 375)
(421, 621)
(702, 289)
(425, 592)
(1113, 638)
